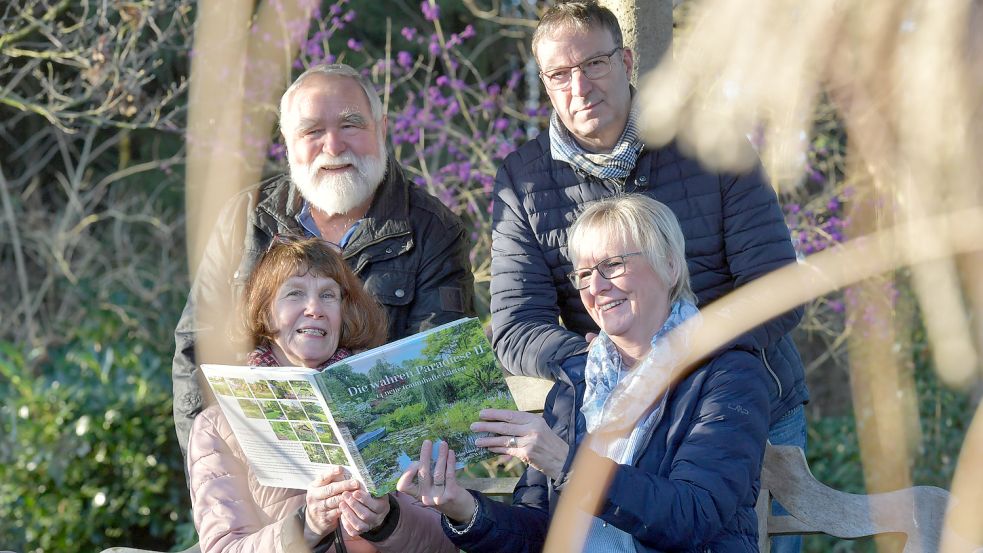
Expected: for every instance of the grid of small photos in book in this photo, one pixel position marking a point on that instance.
(282, 404)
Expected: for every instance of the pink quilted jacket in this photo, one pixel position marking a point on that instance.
(233, 512)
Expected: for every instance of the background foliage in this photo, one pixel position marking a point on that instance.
(93, 271)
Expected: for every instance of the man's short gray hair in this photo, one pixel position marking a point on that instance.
(647, 223)
(581, 15)
(334, 69)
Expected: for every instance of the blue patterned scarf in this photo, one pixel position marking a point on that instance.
(616, 164)
(607, 410)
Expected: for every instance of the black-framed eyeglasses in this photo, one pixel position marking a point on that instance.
(593, 68)
(609, 268)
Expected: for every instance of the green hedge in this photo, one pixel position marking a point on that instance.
(89, 458)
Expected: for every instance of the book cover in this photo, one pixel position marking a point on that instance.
(369, 412)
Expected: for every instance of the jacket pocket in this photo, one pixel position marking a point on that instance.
(391, 286)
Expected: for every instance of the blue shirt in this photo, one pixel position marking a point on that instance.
(306, 220)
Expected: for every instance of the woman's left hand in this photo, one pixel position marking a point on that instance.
(360, 512)
(438, 489)
(523, 435)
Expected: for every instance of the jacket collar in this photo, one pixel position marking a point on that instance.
(389, 214)
(280, 202)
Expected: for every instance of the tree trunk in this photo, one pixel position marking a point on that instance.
(647, 29)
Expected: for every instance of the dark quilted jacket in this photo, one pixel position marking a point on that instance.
(692, 489)
(734, 233)
(411, 252)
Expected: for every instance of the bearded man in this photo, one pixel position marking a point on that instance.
(410, 251)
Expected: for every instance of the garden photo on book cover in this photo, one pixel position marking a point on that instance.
(433, 390)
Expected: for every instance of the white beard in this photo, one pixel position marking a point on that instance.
(339, 194)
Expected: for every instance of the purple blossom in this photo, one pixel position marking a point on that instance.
(468, 32)
(408, 33)
(431, 11)
(404, 59)
(503, 150)
(277, 151)
(334, 9)
(434, 46)
(314, 50)
(814, 175)
(442, 80)
(501, 124)
(349, 16)
(354, 45)
(513, 80)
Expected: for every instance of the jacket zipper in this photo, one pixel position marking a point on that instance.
(764, 357)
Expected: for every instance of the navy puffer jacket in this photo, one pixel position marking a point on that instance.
(692, 489)
(734, 233)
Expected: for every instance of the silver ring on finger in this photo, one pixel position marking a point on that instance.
(512, 443)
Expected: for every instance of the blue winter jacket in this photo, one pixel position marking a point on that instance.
(694, 487)
(734, 230)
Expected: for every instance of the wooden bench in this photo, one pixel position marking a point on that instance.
(814, 507)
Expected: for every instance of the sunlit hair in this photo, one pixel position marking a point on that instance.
(581, 15)
(363, 320)
(648, 224)
(340, 70)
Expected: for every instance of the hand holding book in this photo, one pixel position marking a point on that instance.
(362, 512)
(324, 497)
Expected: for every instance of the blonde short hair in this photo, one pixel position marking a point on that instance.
(647, 223)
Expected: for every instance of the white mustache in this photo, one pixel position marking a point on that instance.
(325, 160)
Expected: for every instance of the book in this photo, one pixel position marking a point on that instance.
(369, 412)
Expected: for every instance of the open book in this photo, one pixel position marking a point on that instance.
(369, 412)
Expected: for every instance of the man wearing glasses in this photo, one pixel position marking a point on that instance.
(733, 225)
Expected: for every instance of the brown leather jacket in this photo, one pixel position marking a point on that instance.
(410, 251)
(234, 512)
